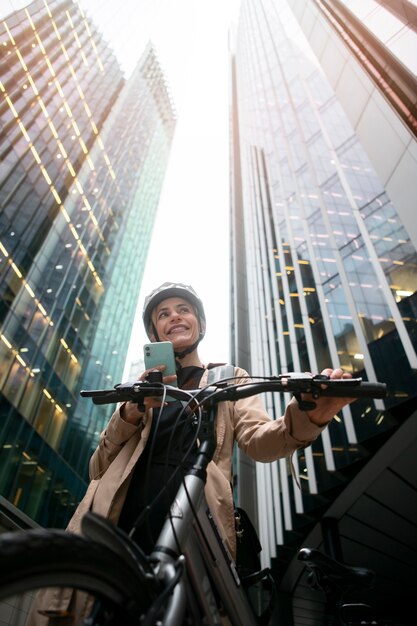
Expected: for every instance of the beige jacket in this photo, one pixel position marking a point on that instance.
(245, 421)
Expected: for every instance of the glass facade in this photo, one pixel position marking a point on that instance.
(367, 51)
(82, 159)
(331, 271)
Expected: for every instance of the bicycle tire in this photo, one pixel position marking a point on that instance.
(37, 559)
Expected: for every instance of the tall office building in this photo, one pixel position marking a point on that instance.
(324, 268)
(83, 156)
(368, 52)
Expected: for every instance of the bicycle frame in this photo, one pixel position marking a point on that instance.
(208, 563)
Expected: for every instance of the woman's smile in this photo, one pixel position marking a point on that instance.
(176, 320)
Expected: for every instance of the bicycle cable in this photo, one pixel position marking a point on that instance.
(145, 514)
(157, 605)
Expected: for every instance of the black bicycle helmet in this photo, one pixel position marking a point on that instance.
(171, 290)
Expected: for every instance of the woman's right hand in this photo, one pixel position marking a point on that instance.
(130, 411)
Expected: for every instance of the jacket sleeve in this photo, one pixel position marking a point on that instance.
(112, 440)
(264, 439)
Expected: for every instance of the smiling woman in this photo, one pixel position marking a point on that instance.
(176, 321)
(174, 312)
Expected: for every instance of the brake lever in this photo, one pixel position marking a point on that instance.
(310, 387)
(314, 382)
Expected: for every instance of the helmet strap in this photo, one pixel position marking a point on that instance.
(154, 332)
(181, 355)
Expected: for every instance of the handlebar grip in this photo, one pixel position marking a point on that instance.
(102, 396)
(364, 390)
(110, 399)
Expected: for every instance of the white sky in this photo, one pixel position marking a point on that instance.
(191, 237)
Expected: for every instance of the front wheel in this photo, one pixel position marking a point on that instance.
(38, 559)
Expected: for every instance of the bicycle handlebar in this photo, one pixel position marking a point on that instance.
(317, 385)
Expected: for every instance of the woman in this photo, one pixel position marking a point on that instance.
(125, 477)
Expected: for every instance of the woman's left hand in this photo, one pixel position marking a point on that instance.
(327, 407)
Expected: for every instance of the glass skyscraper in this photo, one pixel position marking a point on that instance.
(83, 156)
(324, 269)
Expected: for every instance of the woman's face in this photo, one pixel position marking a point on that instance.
(175, 320)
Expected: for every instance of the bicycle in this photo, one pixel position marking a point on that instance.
(190, 577)
(345, 589)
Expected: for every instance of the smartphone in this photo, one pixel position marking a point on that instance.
(160, 353)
